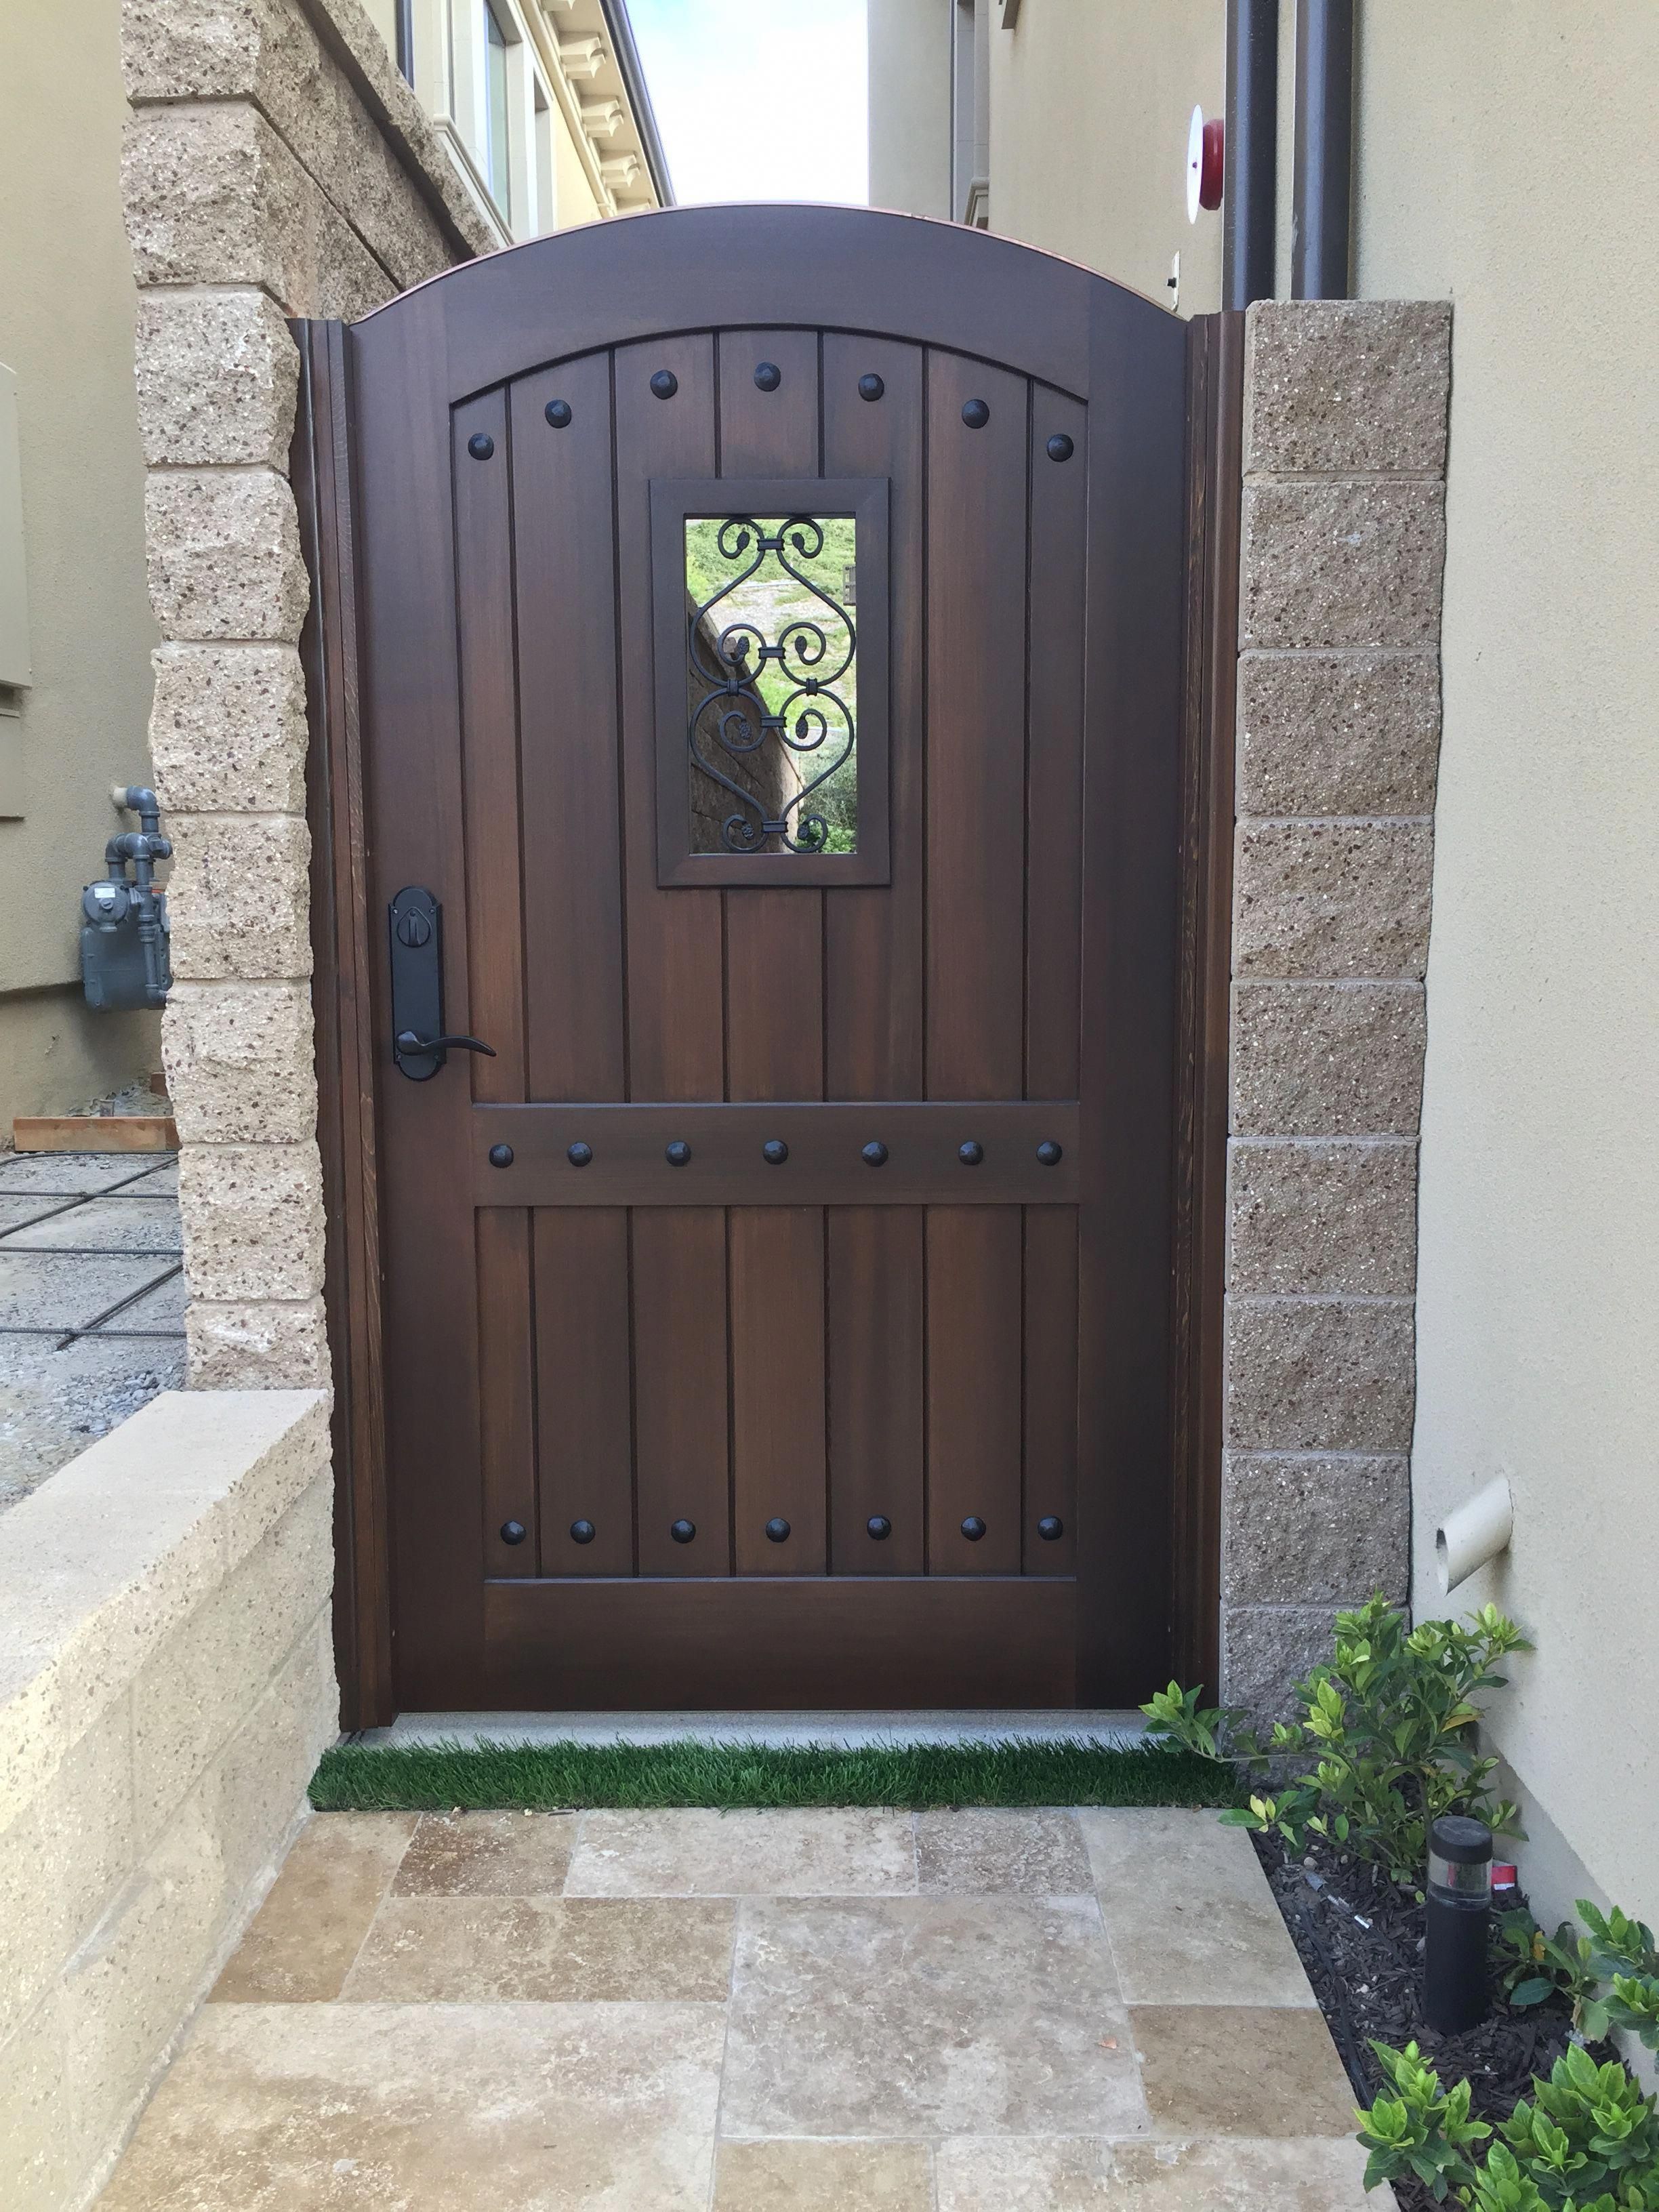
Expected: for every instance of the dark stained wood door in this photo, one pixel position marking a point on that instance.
(728, 1426)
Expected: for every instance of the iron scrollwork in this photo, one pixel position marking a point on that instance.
(809, 718)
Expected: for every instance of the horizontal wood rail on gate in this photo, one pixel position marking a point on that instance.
(627, 1162)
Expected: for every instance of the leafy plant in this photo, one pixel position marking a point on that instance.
(1612, 1974)
(1588, 2142)
(1422, 2130)
(1388, 1723)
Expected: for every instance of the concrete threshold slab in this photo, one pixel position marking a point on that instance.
(846, 1731)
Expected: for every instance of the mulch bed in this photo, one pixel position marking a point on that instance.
(1360, 1940)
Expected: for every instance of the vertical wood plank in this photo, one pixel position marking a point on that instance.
(584, 1389)
(563, 520)
(675, 967)
(1054, 811)
(1050, 1386)
(974, 1439)
(777, 1259)
(681, 1388)
(977, 510)
(507, 1388)
(774, 939)
(873, 936)
(874, 1302)
(489, 751)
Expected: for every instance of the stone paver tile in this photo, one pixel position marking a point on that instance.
(111, 1224)
(1241, 2070)
(913, 2016)
(823, 2176)
(1189, 1910)
(1082, 2173)
(766, 1854)
(488, 1855)
(163, 1307)
(312, 1925)
(475, 1950)
(49, 1290)
(469, 2108)
(69, 1171)
(975, 1851)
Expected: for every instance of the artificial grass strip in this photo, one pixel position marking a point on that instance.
(550, 1777)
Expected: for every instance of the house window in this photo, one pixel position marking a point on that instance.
(497, 161)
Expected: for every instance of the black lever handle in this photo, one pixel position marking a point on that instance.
(407, 1043)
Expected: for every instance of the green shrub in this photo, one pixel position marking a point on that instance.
(1388, 1724)
(1612, 1974)
(1588, 2141)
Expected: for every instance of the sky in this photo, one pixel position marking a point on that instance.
(758, 99)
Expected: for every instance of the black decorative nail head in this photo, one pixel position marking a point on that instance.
(973, 1528)
(582, 1532)
(676, 1155)
(557, 412)
(874, 1154)
(1059, 447)
(513, 1532)
(767, 376)
(481, 445)
(1049, 1153)
(976, 414)
(870, 386)
(665, 384)
(500, 1155)
(579, 1155)
(1051, 1527)
(880, 1526)
(777, 1532)
(683, 1531)
(971, 1153)
(775, 1151)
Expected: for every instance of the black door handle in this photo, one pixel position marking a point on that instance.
(407, 1042)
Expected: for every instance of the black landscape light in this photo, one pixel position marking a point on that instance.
(1456, 1917)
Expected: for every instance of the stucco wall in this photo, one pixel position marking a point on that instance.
(1539, 1282)
(909, 62)
(66, 315)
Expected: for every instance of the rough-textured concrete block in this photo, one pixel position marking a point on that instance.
(196, 1691)
(258, 1345)
(267, 50)
(228, 731)
(239, 1062)
(224, 559)
(1320, 1375)
(1350, 562)
(239, 898)
(214, 197)
(1327, 1059)
(1265, 1650)
(252, 1218)
(1323, 1219)
(1316, 1530)
(1347, 387)
(47, 2146)
(1338, 733)
(1332, 898)
(254, 1793)
(217, 372)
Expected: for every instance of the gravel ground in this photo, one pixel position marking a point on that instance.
(54, 1404)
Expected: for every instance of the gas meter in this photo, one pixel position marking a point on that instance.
(124, 957)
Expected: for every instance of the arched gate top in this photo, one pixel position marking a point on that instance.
(845, 268)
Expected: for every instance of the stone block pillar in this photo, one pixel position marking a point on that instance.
(1339, 724)
(276, 166)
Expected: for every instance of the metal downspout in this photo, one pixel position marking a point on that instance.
(1247, 206)
(1324, 150)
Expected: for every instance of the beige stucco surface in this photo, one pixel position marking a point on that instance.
(67, 301)
(909, 50)
(1539, 1268)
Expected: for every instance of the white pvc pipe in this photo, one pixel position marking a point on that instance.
(1477, 1532)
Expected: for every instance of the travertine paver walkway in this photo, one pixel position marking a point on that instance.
(759, 2012)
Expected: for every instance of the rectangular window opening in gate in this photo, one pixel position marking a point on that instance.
(770, 636)
(773, 663)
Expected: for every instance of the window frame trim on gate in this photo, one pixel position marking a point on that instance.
(674, 501)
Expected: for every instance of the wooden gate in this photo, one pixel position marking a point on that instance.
(758, 675)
